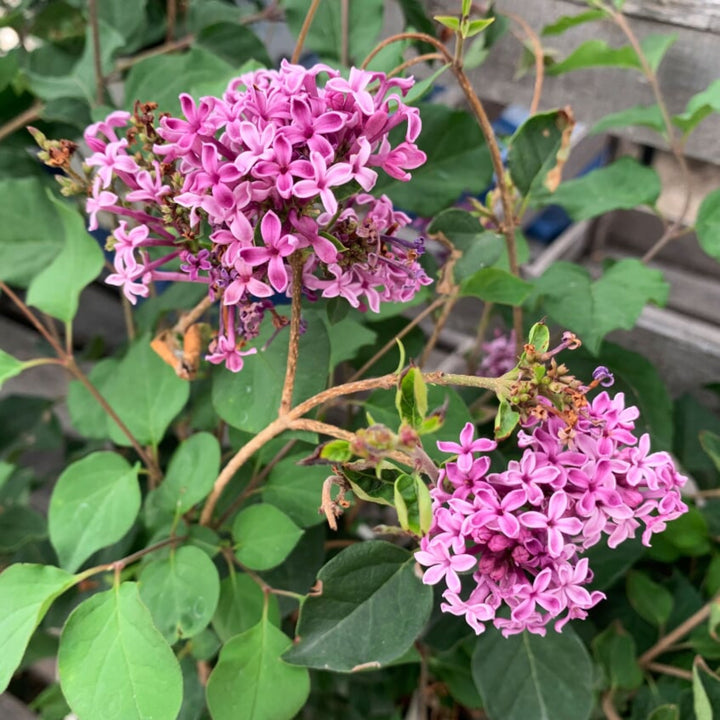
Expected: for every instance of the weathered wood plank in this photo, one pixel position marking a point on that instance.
(698, 14)
(689, 67)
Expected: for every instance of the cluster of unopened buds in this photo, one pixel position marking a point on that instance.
(265, 185)
(509, 545)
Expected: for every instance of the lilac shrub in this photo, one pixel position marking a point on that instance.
(522, 532)
(278, 170)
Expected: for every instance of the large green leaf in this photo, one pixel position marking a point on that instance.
(26, 593)
(623, 185)
(480, 248)
(699, 107)
(371, 609)
(347, 336)
(233, 42)
(162, 78)
(457, 161)
(707, 224)
(616, 652)
(644, 115)
(569, 21)
(114, 664)
(264, 536)
(496, 286)
(93, 504)
(20, 525)
(240, 606)
(651, 601)
(86, 414)
(191, 473)
(56, 289)
(146, 394)
(296, 490)
(30, 239)
(249, 400)
(80, 82)
(527, 676)
(181, 592)
(252, 682)
(325, 36)
(706, 691)
(540, 145)
(593, 309)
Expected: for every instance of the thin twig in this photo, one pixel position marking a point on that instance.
(480, 336)
(670, 670)
(321, 428)
(171, 16)
(97, 56)
(449, 304)
(423, 37)
(128, 317)
(21, 120)
(188, 318)
(304, 30)
(607, 706)
(294, 346)
(680, 631)
(393, 341)
(284, 422)
(427, 57)
(539, 54)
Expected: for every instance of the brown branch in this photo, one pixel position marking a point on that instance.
(304, 30)
(539, 54)
(181, 44)
(345, 32)
(294, 346)
(171, 15)
(665, 642)
(284, 422)
(670, 670)
(448, 306)
(97, 56)
(608, 707)
(424, 37)
(188, 318)
(427, 57)
(21, 120)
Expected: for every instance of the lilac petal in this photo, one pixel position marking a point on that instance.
(277, 274)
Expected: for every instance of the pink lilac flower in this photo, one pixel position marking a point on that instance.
(526, 528)
(272, 169)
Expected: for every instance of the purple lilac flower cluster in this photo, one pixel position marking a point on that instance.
(522, 532)
(276, 172)
(499, 354)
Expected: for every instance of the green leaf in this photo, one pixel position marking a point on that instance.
(411, 398)
(325, 36)
(93, 504)
(252, 682)
(106, 648)
(9, 367)
(264, 536)
(234, 43)
(29, 240)
(623, 185)
(86, 414)
(80, 81)
(686, 535)
(241, 606)
(644, 115)
(347, 336)
(539, 149)
(616, 653)
(569, 21)
(707, 224)
(20, 525)
(665, 712)
(162, 78)
(56, 289)
(371, 609)
(296, 490)
(457, 161)
(655, 46)
(377, 486)
(181, 592)
(505, 421)
(146, 394)
(413, 504)
(527, 676)
(539, 337)
(706, 691)
(191, 473)
(593, 309)
(480, 248)
(596, 53)
(497, 286)
(699, 107)
(649, 599)
(453, 669)
(125, 16)
(449, 21)
(710, 442)
(249, 400)
(475, 27)
(26, 593)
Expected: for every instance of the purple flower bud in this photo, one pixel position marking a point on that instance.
(603, 375)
